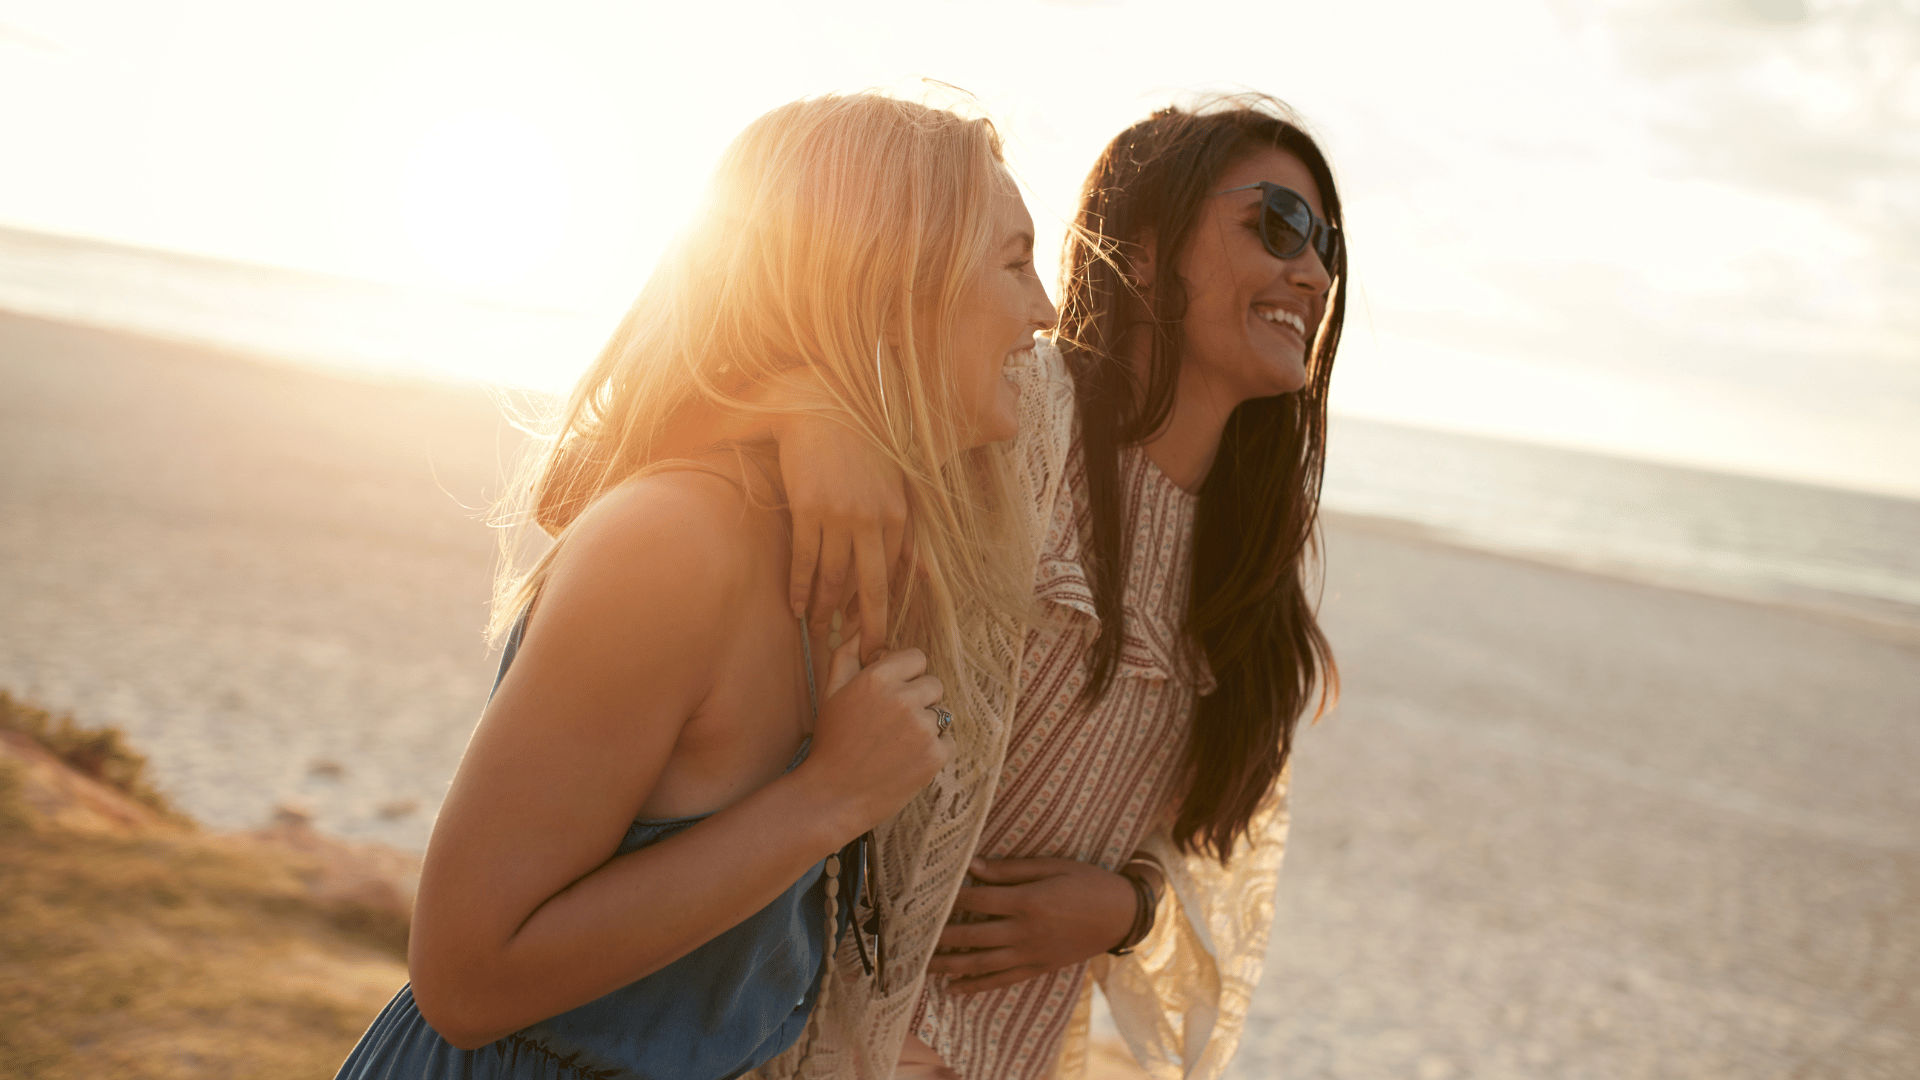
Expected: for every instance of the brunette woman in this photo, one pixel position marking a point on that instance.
(1173, 445)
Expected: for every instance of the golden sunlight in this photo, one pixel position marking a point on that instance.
(486, 199)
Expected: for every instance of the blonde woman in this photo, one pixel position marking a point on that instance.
(650, 846)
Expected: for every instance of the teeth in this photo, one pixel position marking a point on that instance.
(1284, 318)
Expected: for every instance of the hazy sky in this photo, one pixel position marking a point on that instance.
(1687, 230)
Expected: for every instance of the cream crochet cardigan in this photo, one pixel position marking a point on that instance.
(1179, 999)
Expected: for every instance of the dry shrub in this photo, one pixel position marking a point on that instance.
(164, 954)
(101, 753)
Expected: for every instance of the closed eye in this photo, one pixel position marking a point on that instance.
(1022, 244)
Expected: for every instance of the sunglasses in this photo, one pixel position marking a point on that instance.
(1288, 225)
(865, 915)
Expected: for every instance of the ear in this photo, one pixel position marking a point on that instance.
(1141, 261)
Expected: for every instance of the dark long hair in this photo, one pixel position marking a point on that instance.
(1255, 532)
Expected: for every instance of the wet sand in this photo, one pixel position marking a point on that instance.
(1560, 824)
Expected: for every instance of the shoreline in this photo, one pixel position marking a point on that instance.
(1897, 620)
(1888, 619)
(1561, 823)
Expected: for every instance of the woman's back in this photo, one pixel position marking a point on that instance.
(721, 549)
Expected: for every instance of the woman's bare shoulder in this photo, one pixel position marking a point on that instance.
(684, 543)
(681, 510)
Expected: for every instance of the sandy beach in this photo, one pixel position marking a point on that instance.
(1560, 825)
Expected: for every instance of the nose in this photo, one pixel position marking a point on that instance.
(1306, 273)
(1042, 312)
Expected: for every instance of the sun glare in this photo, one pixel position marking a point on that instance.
(1513, 181)
(487, 200)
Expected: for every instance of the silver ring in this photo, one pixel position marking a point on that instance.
(942, 719)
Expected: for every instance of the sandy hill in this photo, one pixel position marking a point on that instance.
(138, 946)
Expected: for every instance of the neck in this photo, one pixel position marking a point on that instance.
(1185, 446)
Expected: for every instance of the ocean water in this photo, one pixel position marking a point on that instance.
(1842, 552)
(304, 318)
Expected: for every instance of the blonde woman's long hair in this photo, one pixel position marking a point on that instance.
(838, 235)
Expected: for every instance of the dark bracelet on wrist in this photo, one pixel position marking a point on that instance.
(1144, 903)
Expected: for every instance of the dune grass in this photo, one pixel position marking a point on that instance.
(165, 953)
(99, 752)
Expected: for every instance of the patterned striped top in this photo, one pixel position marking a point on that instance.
(1081, 785)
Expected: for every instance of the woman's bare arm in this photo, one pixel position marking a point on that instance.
(520, 914)
(851, 526)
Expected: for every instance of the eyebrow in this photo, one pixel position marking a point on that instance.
(1022, 238)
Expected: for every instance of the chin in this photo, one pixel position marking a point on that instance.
(1293, 371)
(998, 425)
(998, 430)
(1003, 421)
(1283, 378)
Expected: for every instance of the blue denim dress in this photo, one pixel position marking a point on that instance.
(727, 1007)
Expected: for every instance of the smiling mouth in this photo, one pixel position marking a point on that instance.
(1283, 317)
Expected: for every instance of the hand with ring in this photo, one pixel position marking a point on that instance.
(942, 719)
(870, 754)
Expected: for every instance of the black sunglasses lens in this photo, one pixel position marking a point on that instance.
(1286, 223)
(1327, 245)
